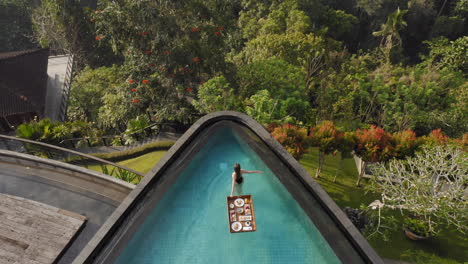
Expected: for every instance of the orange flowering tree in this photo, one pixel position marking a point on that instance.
(327, 138)
(293, 138)
(373, 145)
(345, 145)
(169, 49)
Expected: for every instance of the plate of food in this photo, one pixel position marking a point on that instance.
(239, 202)
(231, 206)
(236, 226)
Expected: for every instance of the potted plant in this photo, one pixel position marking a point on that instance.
(417, 229)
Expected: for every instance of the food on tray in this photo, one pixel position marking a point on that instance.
(241, 214)
(239, 202)
(245, 217)
(236, 226)
(233, 217)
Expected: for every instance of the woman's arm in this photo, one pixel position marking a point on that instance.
(246, 171)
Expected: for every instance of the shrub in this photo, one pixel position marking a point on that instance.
(293, 138)
(418, 227)
(373, 145)
(406, 143)
(436, 136)
(327, 138)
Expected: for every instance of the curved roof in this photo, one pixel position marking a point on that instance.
(345, 240)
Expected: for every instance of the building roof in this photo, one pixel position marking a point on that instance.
(13, 54)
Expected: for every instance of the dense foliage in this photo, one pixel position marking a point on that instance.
(59, 133)
(16, 32)
(300, 62)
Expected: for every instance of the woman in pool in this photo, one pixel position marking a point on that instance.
(237, 178)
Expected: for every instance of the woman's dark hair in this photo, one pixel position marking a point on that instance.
(237, 170)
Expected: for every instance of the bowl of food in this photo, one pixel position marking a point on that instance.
(236, 226)
(239, 202)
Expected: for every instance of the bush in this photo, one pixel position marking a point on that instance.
(293, 138)
(406, 143)
(418, 227)
(328, 139)
(57, 132)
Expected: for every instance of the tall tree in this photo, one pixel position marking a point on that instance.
(390, 33)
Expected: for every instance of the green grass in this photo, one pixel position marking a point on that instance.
(142, 163)
(450, 244)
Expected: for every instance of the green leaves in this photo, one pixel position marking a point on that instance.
(216, 95)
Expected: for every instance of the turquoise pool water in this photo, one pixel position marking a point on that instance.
(190, 224)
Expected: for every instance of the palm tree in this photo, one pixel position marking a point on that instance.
(390, 32)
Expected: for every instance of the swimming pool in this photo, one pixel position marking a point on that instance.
(189, 224)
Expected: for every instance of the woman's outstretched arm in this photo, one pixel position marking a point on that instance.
(256, 171)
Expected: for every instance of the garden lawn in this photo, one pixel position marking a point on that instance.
(142, 163)
(450, 244)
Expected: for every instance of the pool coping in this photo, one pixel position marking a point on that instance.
(106, 231)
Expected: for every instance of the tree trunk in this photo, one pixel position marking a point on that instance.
(361, 173)
(339, 167)
(320, 164)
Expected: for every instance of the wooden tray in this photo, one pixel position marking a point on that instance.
(243, 215)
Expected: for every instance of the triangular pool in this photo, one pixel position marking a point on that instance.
(178, 213)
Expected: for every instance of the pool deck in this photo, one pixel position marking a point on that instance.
(23, 181)
(33, 232)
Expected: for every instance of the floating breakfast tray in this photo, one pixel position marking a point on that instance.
(241, 214)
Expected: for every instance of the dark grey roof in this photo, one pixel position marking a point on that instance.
(13, 54)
